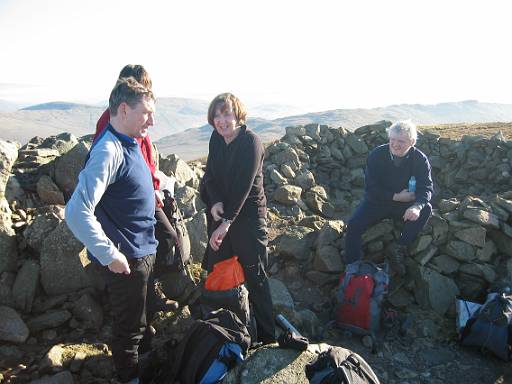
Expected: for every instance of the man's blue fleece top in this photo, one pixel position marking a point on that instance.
(384, 178)
(112, 209)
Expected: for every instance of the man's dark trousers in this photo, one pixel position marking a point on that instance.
(370, 213)
(128, 295)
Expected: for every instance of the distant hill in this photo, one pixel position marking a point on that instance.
(54, 105)
(193, 143)
(180, 123)
(173, 115)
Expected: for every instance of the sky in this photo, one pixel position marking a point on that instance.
(315, 55)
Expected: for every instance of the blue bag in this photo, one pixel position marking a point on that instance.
(490, 327)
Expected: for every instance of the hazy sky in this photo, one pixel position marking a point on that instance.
(314, 54)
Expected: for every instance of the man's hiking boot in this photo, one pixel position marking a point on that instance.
(397, 259)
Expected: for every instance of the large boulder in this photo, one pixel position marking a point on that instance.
(48, 320)
(287, 194)
(8, 246)
(271, 365)
(434, 290)
(7, 280)
(8, 155)
(474, 236)
(63, 259)
(68, 166)
(502, 241)
(14, 190)
(40, 228)
(196, 228)
(287, 156)
(482, 217)
(461, 251)
(64, 377)
(173, 165)
(328, 259)
(48, 191)
(24, 288)
(296, 243)
(281, 297)
(188, 200)
(88, 311)
(12, 327)
(63, 142)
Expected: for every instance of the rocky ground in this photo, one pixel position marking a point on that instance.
(419, 346)
(54, 314)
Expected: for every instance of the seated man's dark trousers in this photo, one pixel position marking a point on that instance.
(128, 294)
(368, 214)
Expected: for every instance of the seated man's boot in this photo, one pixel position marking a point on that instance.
(397, 259)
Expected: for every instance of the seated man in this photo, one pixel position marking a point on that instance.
(389, 169)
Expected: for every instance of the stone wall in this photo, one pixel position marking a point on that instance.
(314, 176)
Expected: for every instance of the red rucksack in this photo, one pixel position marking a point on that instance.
(360, 295)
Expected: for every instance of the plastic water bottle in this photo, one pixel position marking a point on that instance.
(412, 184)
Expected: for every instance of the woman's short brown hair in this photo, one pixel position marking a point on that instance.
(225, 101)
(139, 73)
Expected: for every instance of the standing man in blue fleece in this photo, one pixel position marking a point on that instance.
(389, 170)
(112, 212)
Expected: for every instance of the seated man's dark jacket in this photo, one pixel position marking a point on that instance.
(384, 178)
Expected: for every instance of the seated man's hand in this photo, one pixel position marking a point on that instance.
(412, 213)
(120, 265)
(404, 196)
(218, 235)
(217, 211)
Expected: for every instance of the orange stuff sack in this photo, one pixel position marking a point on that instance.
(226, 274)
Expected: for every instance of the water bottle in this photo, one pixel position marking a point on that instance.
(412, 184)
(285, 325)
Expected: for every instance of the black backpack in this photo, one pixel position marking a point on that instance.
(490, 327)
(192, 357)
(340, 366)
(236, 300)
(180, 258)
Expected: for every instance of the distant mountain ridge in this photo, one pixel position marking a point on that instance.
(193, 143)
(180, 122)
(173, 115)
(63, 105)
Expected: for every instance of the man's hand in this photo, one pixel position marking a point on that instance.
(217, 211)
(412, 213)
(218, 235)
(120, 265)
(404, 197)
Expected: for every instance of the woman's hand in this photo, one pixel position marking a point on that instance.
(217, 211)
(218, 235)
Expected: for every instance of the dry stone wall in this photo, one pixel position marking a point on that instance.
(314, 178)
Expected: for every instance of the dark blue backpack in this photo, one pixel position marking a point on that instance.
(209, 349)
(490, 327)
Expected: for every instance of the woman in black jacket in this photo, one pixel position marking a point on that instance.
(233, 188)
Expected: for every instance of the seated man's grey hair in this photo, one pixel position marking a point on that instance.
(405, 126)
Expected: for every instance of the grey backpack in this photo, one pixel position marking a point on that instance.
(340, 366)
